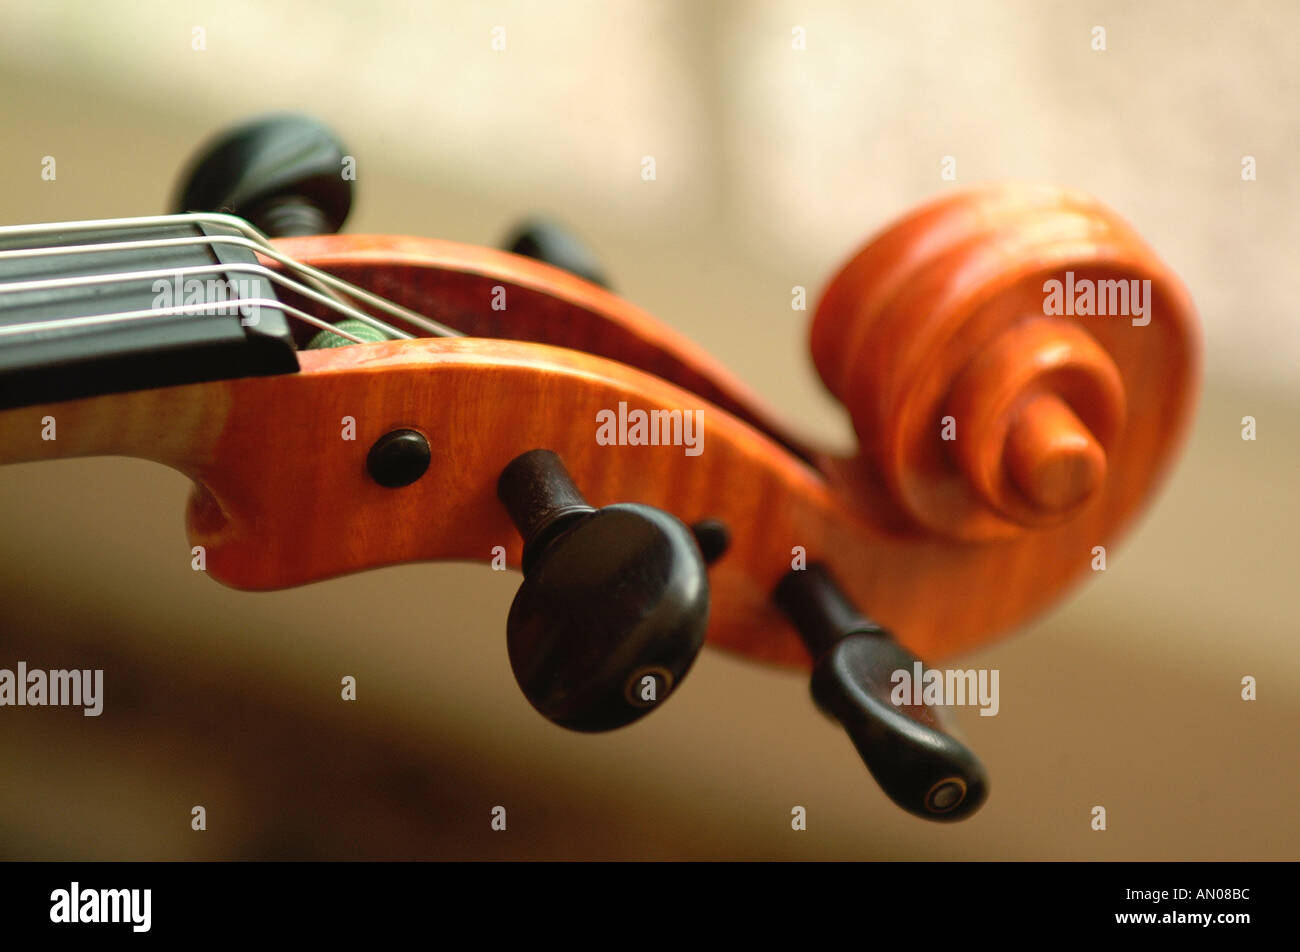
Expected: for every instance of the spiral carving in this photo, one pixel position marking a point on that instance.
(987, 402)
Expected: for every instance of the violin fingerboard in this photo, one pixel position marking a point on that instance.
(77, 339)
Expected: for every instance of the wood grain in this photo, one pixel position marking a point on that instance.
(1072, 421)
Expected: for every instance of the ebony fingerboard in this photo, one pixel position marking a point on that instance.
(47, 363)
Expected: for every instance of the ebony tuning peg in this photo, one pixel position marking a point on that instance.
(920, 766)
(549, 241)
(614, 603)
(283, 174)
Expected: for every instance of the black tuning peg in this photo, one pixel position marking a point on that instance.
(614, 603)
(549, 241)
(284, 174)
(921, 767)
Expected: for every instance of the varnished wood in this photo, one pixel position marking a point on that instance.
(1064, 425)
(942, 315)
(456, 284)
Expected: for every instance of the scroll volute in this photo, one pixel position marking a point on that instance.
(988, 403)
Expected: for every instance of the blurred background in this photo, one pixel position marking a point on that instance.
(773, 164)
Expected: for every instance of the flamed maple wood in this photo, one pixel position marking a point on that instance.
(1063, 425)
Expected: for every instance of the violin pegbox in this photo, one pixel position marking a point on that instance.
(1010, 357)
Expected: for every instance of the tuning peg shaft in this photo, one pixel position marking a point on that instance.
(917, 763)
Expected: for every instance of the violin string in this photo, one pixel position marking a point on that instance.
(206, 307)
(141, 221)
(257, 243)
(331, 293)
(260, 243)
(118, 277)
(331, 282)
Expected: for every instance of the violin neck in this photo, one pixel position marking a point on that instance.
(175, 426)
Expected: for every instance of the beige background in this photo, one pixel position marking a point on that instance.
(772, 166)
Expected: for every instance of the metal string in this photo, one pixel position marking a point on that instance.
(331, 293)
(118, 277)
(209, 307)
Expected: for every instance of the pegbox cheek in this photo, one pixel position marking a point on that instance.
(987, 406)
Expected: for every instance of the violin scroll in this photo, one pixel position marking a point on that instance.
(991, 349)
